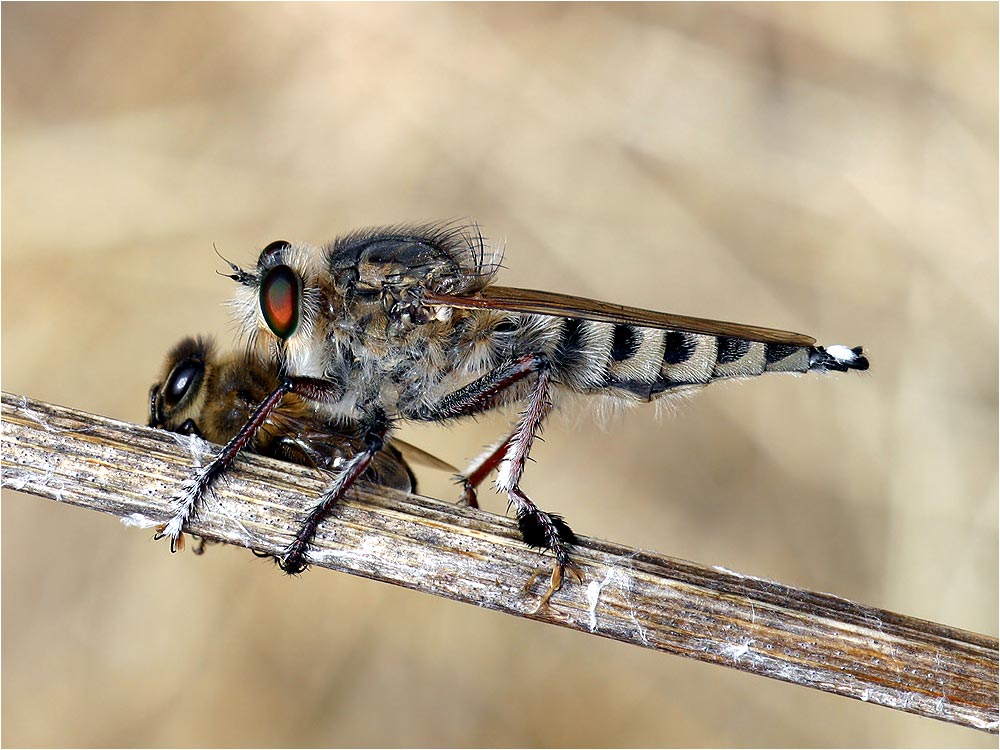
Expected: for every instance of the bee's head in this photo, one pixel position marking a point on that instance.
(180, 393)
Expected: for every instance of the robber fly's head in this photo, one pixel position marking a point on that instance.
(277, 303)
(363, 292)
(179, 395)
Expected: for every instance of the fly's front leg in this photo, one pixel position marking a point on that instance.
(189, 499)
(538, 528)
(376, 427)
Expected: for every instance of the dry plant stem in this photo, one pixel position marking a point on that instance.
(758, 626)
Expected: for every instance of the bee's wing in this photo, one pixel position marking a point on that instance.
(290, 419)
(417, 455)
(567, 306)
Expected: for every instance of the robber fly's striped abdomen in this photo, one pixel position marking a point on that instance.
(647, 363)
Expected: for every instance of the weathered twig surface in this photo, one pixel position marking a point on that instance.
(759, 626)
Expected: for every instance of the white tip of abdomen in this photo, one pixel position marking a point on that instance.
(841, 353)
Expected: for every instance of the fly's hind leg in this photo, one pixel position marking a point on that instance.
(479, 469)
(538, 528)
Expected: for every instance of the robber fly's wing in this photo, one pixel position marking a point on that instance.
(417, 455)
(568, 306)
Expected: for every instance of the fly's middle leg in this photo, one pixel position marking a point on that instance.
(375, 427)
(481, 468)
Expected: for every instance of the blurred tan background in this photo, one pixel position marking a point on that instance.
(829, 169)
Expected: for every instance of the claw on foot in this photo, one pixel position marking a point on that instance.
(176, 542)
(469, 496)
(293, 560)
(555, 582)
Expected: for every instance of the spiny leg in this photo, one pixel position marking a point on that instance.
(538, 528)
(376, 428)
(195, 487)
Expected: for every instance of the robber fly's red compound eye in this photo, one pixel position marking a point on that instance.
(273, 254)
(280, 292)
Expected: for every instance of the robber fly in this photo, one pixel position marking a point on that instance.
(211, 395)
(405, 323)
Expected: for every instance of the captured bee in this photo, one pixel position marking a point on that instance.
(211, 395)
(405, 323)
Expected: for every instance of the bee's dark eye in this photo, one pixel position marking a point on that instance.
(271, 254)
(280, 291)
(185, 377)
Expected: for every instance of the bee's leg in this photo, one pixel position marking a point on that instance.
(538, 528)
(375, 428)
(479, 469)
(205, 477)
(199, 547)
